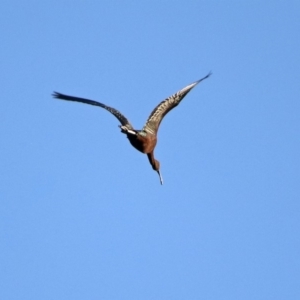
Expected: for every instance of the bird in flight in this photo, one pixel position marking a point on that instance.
(145, 139)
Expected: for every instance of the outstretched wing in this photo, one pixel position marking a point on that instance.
(123, 120)
(165, 106)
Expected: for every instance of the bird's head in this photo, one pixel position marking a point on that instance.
(156, 167)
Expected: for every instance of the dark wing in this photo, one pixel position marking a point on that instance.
(124, 121)
(165, 106)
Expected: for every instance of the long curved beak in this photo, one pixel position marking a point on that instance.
(160, 177)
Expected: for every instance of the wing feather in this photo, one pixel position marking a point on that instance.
(165, 106)
(123, 120)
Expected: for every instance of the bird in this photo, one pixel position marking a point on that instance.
(143, 140)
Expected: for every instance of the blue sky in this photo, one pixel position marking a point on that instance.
(83, 215)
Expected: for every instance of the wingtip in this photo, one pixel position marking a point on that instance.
(55, 94)
(209, 74)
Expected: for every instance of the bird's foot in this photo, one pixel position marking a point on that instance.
(124, 129)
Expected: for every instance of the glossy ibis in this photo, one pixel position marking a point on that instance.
(143, 140)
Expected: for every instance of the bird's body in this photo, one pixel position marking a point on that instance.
(144, 144)
(143, 140)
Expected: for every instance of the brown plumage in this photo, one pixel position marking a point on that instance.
(143, 140)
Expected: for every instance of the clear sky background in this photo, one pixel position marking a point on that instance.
(83, 215)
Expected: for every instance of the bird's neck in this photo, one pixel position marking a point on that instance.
(152, 160)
